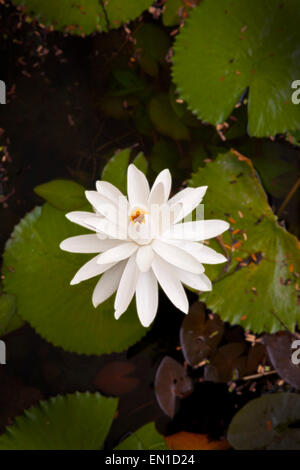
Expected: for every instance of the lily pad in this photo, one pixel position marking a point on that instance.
(165, 119)
(115, 171)
(79, 421)
(199, 337)
(152, 44)
(258, 287)
(85, 16)
(268, 422)
(171, 382)
(9, 319)
(228, 363)
(38, 273)
(254, 45)
(280, 352)
(173, 12)
(145, 438)
(63, 194)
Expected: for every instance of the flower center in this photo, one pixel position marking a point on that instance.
(138, 215)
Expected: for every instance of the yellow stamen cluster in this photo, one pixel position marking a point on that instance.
(138, 215)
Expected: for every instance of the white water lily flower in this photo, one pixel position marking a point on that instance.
(141, 242)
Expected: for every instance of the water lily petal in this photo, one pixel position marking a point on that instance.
(111, 192)
(144, 258)
(147, 297)
(197, 231)
(195, 281)
(107, 227)
(108, 284)
(176, 256)
(87, 244)
(126, 287)
(188, 202)
(90, 269)
(178, 196)
(170, 284)
(157, 195)
(137, 187)
(165, 178)
(202, 253)
(118, 253)
(79, 217)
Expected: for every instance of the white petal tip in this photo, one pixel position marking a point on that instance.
(61, 245)
(117, 315)
(146, 324)
(74, 282)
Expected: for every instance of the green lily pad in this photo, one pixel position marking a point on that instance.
(258, 287)
(222, 51)
(79, 421)
(268, 422)
(145, 438)
(63, 194)
(152, 44)
(172, 14)
(85, 16)
(9, 320)
(276, 163)
(165, 119)
(115, 171)
(38, 273)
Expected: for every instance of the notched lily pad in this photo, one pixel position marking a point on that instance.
(284, 356)
(255, 46)
(171, 382)
(79, 421)
(270, 422)
(199, 337)
(38, 273)
(257, 289)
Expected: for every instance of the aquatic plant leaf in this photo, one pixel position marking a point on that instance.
(199, 337)
(258, 287)
(79, 421)
(145, 438)
(171, 381)
(268, 422)
(38, 273)
(254, 45)
(84, 16)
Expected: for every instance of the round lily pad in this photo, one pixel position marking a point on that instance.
(257, 288)
(85, 16)
(224, 50)
(269, 422)
(79, 421)
(38, 273)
